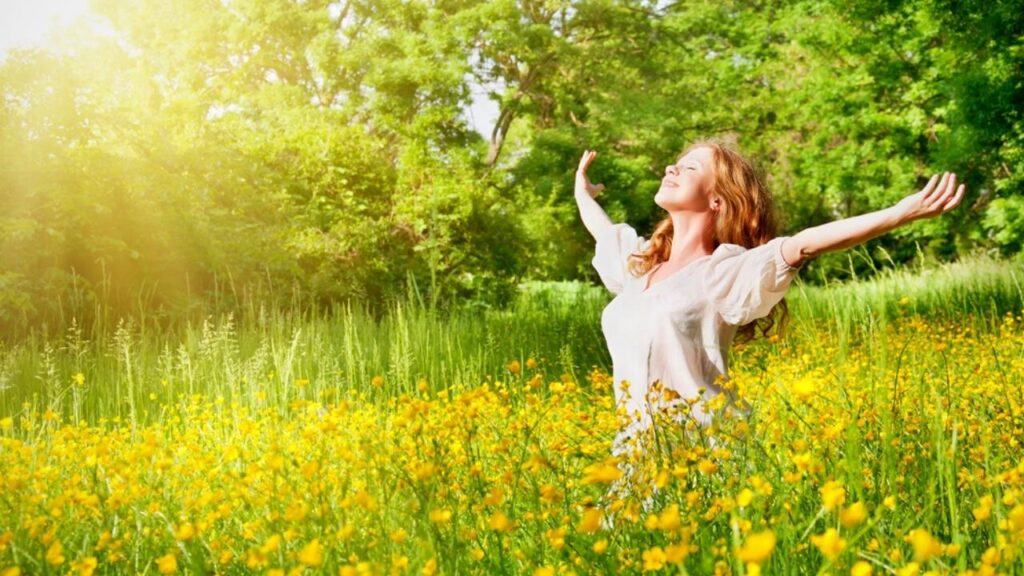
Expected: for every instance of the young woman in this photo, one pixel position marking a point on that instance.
(712, 269)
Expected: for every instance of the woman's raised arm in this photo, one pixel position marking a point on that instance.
(594, 217)
(928, 202)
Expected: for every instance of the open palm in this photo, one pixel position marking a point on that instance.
(582, 182)
(937, 197)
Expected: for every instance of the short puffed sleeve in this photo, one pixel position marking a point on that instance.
(744, 284)
(614, 245)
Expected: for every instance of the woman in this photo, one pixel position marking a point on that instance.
(712, 268)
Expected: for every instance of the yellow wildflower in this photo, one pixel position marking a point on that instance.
(601, 473)
(706, 466)
(861, 568)
(804, 388)
(669, 519)
(853, 514)
(167, 564)
(654, 559)
(925, 545)
(912, 569)
(55, 553)
(312, 554)
(829, 543)
(744, 498)
(984, 509)
(184, 532)
(86, 566)
(591, 521)
(757, 548)
(500, 522)
(990, 557)
(832, 494)
(676, 553)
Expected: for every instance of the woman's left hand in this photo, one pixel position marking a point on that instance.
(932, 200)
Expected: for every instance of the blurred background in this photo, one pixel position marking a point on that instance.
(170, 160)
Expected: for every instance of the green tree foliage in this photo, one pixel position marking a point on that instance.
(318, 150)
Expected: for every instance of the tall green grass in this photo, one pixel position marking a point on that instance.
(267, 357)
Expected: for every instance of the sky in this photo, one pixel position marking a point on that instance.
(25, 23)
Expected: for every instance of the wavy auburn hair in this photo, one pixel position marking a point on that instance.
(747, 218)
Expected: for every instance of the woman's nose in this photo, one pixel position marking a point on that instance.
(668, 170)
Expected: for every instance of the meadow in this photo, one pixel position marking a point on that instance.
(885, 438)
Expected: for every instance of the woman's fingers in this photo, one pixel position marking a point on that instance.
(588, 156)
(949, 190)
(956, 199)
(583, 161)
(936, 191)
(927, 190)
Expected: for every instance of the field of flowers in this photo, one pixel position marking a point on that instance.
(889, 445)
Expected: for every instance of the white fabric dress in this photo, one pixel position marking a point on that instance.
(680, 329)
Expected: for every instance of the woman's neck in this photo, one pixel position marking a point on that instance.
(692, 235)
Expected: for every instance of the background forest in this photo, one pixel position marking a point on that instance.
(170, 157)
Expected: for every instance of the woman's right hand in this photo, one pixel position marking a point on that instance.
(582, 182)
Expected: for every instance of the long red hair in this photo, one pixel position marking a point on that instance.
(747, 218)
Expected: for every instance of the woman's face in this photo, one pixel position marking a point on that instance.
(687, 182)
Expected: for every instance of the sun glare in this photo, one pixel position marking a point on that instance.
(27, 23)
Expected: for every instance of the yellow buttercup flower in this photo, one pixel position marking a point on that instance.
(601, 473)
(55, 553)
(500, 522)
(669, 519)
(707, 467)
(912, 569)
(167, 564)
(185, 531)
(440, 516)
(832, 494)
(861, 568)
(757, 547)
(829, 543)
(85, 567)
(312, 554)
(925, 545)
(744, 498)
(853, 514)
(654, 559)
(805, 387)
(591, 521)
(984, 509)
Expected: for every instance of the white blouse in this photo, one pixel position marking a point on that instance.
(680, 329)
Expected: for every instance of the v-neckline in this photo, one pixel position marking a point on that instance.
(647, 277)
